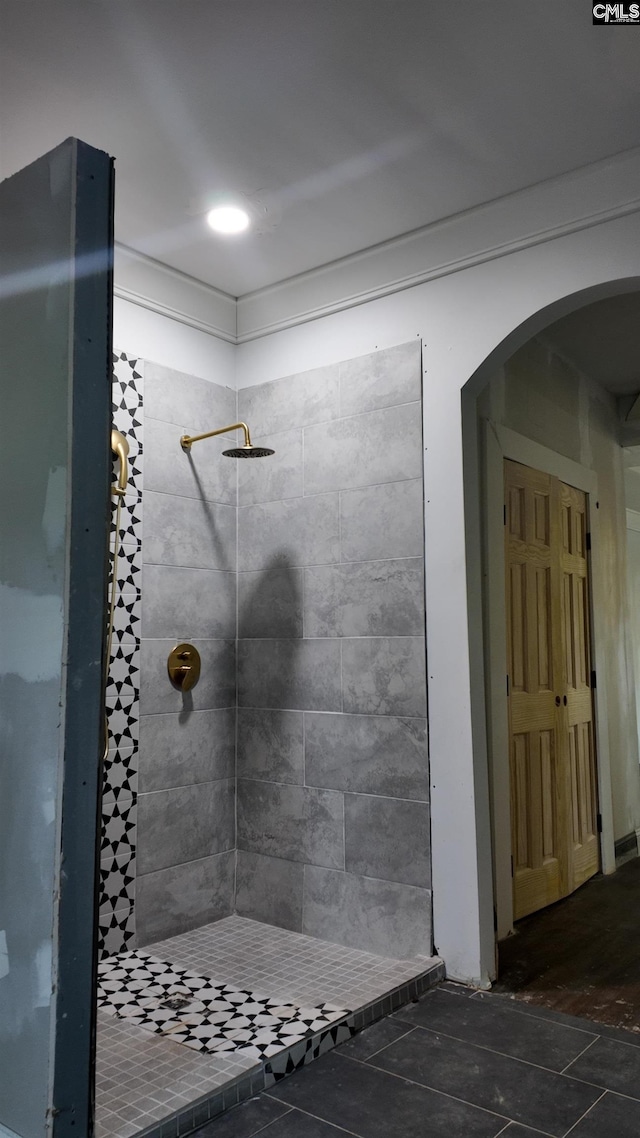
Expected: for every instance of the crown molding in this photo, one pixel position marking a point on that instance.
(142, 280)
(589, 196)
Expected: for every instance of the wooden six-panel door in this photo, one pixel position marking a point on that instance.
(552, 757)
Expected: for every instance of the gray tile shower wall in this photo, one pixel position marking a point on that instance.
(300, 580)
(332, 809)
(186, 804)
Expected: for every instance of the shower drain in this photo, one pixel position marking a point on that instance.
(176, 1003)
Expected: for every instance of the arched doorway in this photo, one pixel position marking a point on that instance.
(549, 422)
(472, 734)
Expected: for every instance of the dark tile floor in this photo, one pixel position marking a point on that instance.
(458, 1064)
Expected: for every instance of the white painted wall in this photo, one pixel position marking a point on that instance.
(633, 568)
(356, 332)
(139, 331)
(632, 503)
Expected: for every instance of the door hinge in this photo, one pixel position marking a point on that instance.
(599, 822)
(512, 865)
(593, 680)
(507, 685)
(504, 514)
(588, 542)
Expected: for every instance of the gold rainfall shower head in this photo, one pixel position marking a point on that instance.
(247, 450)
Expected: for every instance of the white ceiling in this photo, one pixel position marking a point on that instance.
(348, 121)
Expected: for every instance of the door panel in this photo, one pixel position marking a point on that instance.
(584, 850)
(55, 307)
(536, 790)
(552, 762)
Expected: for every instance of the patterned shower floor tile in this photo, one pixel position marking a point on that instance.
(207, 1016)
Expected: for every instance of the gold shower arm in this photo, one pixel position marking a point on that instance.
(120, 448)
(187, 440)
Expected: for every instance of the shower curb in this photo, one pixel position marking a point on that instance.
(271, 1071)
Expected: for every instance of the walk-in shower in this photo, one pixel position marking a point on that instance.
(265, 860)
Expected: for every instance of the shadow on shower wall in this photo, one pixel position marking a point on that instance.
(300, 579)
(186, 812)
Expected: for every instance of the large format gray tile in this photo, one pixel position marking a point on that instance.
(609, 1064)
(275, 477)
(524, 1007)
(188, 602)
(215, 688)
(378, 598)
(301, 531)
(183, 897)
(294, 674)
(294, 822)
(366, 913)
(177, 397)
(368, 1042)
(384, 676)
(178, 750)
(244, 1121)
(202, 472)
(184, 824)
(381, 379)
(371, 1104)
(515, 1130)
(270, 745)
(382, 521)
(187, 532)
(613, 1115)
(387, 838)
(270, 603)
(293, 401)
(297, 1124)
(269, 889)
(378, 446)
(490, 1023)
(520, 1091)
(372, 754)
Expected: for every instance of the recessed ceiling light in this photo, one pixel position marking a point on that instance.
(228, 219)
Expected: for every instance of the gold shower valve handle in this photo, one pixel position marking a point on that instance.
(183, 666)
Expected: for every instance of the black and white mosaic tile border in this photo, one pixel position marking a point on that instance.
(120, 776)
(200, 1013)
(291, 1059)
